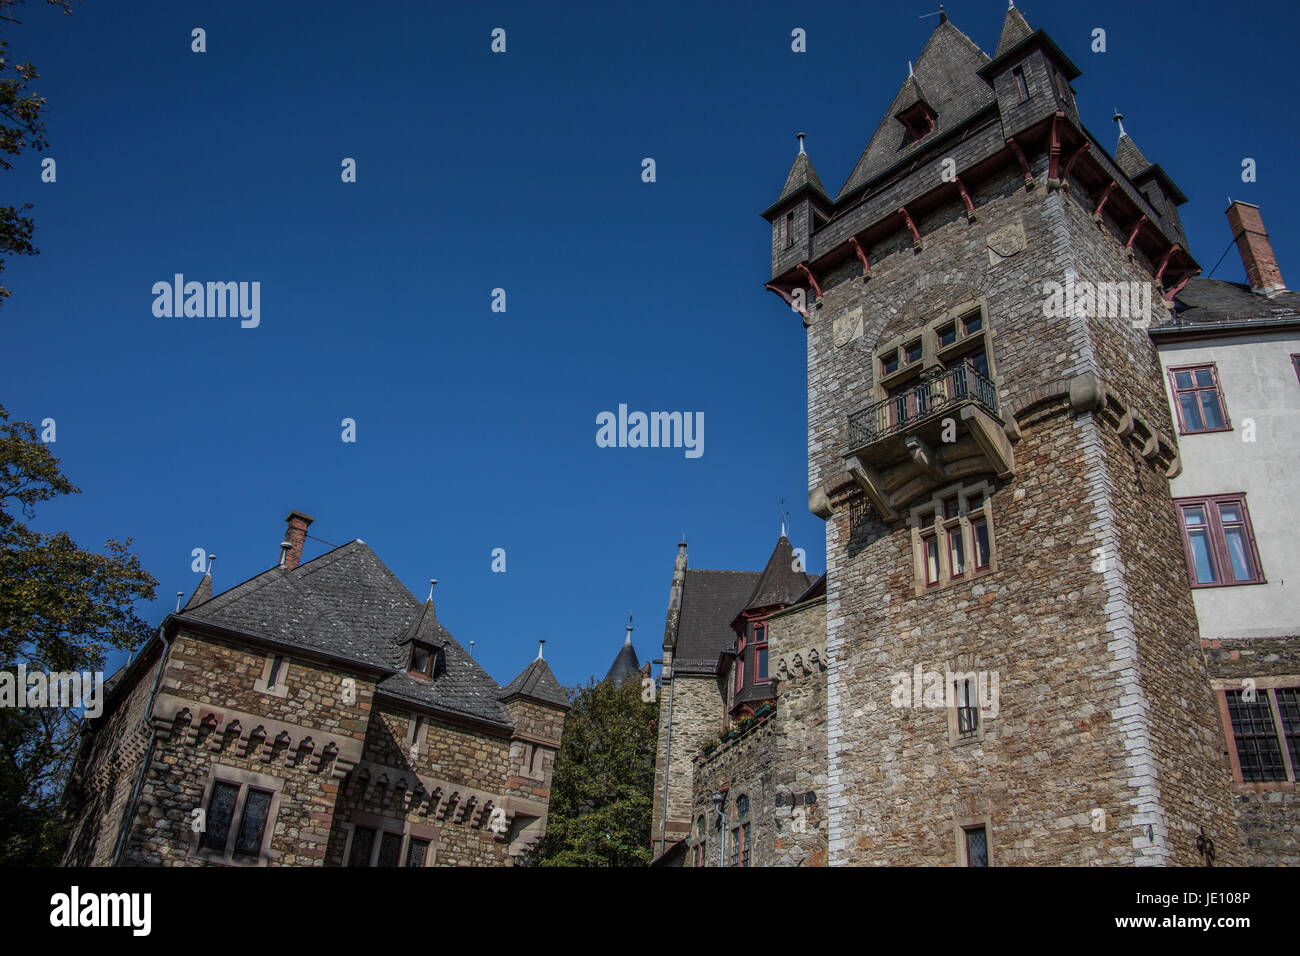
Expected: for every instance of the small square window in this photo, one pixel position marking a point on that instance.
(947, 335)
(277, 662)
(424, 658)
(972, 323)
(912, 353)
(951, 507)
(889, 363)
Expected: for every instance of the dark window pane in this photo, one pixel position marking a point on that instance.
(956, 553)
(420, 658)
(947, 336)
(931, 545)
(980, 531)
(977, 847)
(742, 806)
(1201, 556)
(972, 323)
(913, 352)
(276, 663)
(1205, 378)
(254, 822)
(1182, 379)
(221, 809)
(951, 508)
(762, 662)
(1191, 412)
(1288, 703)
(1258, 750)
(363, 841)
(1210, 406)
(390, 849)
(979, 361)
(889, 363)
(417, 852)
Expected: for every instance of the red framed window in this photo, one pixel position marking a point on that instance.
(760, 652)
(956, 552)
(1198, 399)
(1219, 541)
(1022, 88)
(930, 555)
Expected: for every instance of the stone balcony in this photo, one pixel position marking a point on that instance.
(947, 427)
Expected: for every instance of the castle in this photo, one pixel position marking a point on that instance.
(998, 478)
(317, 714)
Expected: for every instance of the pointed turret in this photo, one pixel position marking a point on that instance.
(1014, 30)
(781, 582)
(625, 666)
(538, 683)
(1127, 154)
(425, 628)
(802, 176)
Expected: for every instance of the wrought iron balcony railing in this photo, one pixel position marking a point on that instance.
(936, 393)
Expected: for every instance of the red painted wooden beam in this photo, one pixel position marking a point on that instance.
(1164, 261)
(862, 256)
(916, 235)
(1054, 148)
(789, 299)
(965, 197)
(1133, 234)
(811, 278)
(1024, 163)
(1074, 158)
(1174, 290)
(1101, 203)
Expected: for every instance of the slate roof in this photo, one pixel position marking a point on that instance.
(1214, 300)
(802, 174)
(710, 602)
(537, 681)
(202, 594)
(1015, 30)
(626, 666)
(348, 603)
(780, 583)
(947, 71)
(1129, 157)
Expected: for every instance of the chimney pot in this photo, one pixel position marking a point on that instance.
(1262, 271)
(296, 536)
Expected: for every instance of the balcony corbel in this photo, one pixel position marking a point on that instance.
(817, 289)
(965, 197)
(868, 479)
(917, 245)
(1024, 163)
(862, 257)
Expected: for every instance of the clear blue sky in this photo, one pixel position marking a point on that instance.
(475, 429)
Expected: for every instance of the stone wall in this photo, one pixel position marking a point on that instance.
(696, 706)
(1087, 619)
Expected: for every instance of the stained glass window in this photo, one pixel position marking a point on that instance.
(253, 823)
(417, 852)
(221, 810)
(363, 841)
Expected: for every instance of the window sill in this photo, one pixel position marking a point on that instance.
(1226, 584)
(1253, 786)
(1203, 431)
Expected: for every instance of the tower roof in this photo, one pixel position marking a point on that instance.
(424, 628)
(1014, 30)
(948, 72)
(202, 593)
(625, 666)
(802, 176)
(1129, 157)
(537, 681)
(779, 583)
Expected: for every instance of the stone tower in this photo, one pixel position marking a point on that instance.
(1015, 674)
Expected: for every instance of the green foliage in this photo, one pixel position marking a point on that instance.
(21, 128)
(602, 788)
(59, 607)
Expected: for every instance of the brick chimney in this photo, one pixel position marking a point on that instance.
(296, 536)
(1262, 271)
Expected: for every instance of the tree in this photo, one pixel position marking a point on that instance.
(21, 128)
(603, 785)
(60, 607)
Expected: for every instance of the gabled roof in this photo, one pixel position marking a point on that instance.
(424, 629)
(626, 666)
(947, 71)
(347, 603)
(537, 681)
(780, 583)
(710, 602)
(1015, 29)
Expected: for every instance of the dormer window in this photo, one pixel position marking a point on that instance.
(919, 122)
(424, 660)
(1022, 87)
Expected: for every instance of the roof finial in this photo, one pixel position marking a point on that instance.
(1119, 118)
(432, 582)
(471, 648)
(211, 558)
(540, 644)
(629, 630)
(943, 17)
(1011, 4)
(784, 514)
(799, 137)
(909, 68)
(181, 594)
